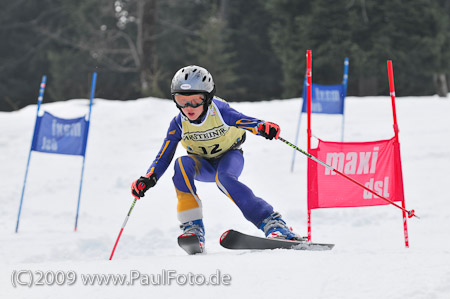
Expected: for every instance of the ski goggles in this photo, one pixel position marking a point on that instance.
(184, 103)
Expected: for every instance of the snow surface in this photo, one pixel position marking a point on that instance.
(368, 261)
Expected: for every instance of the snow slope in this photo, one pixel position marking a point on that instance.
(369, 260)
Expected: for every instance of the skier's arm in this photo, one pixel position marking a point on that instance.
(161, 162)
(167, 151)
(234, 118)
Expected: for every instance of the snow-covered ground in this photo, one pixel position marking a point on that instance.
(369, 260)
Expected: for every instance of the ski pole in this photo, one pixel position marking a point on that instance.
(121, 230)
(410, 213)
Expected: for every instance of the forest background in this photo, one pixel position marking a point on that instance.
(255, 49)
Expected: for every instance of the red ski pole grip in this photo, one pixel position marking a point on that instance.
(141, 186)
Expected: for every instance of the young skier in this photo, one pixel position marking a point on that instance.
(212, 133)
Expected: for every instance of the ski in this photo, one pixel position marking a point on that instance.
(232, 239)
(190, 243)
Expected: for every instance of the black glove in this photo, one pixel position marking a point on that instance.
(269, 130)
(142, 184)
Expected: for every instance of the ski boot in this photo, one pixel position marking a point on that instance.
(275, 227)
(192, 240)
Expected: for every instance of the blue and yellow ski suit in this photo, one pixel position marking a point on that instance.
(213, 155)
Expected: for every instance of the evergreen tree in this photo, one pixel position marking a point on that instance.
(326, 31)
(370, 46)
(179, 22)
(405, 32)
(22, 53)
(414, 44)
(441, 76)
(210, 49)
(257, 67)
(287, 38)
(255, 49)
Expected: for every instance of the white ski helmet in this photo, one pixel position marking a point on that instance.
(193, 79)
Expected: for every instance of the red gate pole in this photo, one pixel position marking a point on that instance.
(308, 109)
(396, 130)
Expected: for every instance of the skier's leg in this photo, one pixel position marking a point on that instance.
(189, 205)
(189, 208)
(229, 169)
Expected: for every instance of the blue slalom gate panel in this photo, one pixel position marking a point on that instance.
(57, 135)
(328, 99)
(60, 136)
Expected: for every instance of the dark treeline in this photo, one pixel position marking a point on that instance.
(255, 49)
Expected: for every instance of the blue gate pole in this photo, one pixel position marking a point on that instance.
(296, 138)
(40, 98)
(344, 82)
(94, 81)
(298, 127)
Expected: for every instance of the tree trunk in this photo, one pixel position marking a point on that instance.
(440, 84)
(147, 17)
